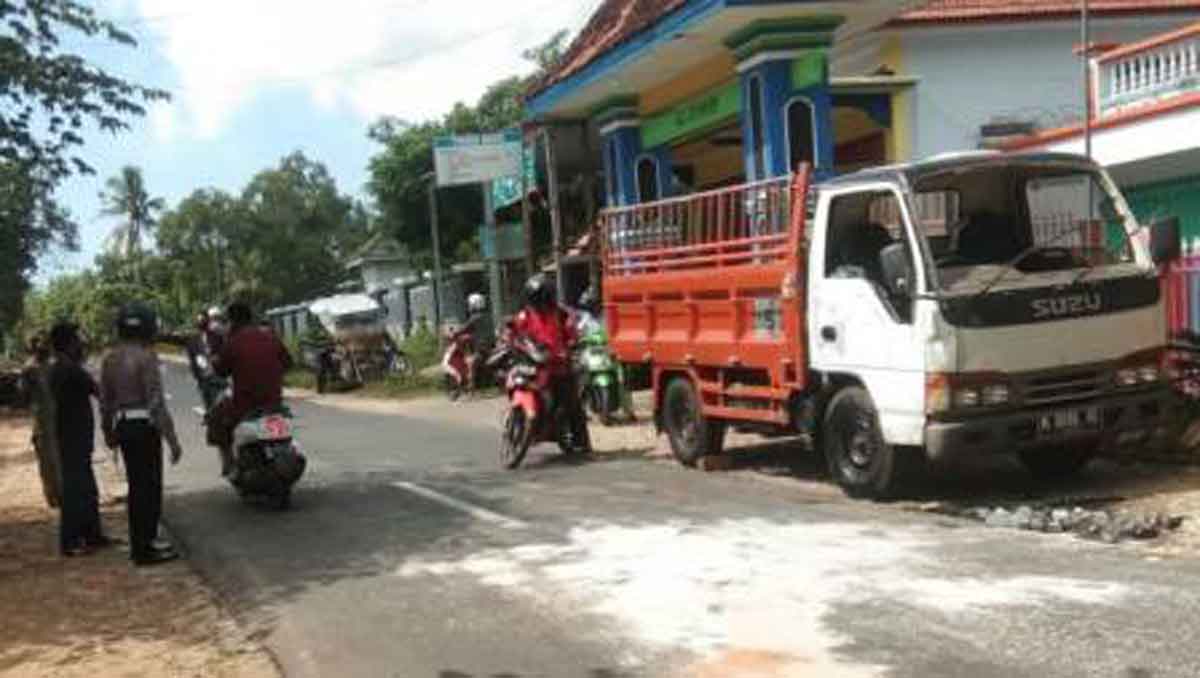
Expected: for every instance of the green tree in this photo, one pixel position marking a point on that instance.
(125, 196)
(399, 171)
(53, 96)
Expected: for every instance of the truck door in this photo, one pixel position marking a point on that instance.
(857, 328)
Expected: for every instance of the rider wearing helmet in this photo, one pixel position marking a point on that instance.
(135, 419)
(256, 360)
(544, 321)
(216, 330)
(477, 328)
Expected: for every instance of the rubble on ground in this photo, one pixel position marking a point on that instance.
(1102, 525)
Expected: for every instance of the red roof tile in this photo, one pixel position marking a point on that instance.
(617, 21)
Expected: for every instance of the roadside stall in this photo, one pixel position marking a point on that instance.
(359, 349)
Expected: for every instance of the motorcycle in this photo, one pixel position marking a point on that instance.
(455, 364)
(533, 414)
(209, 384)
(600, 381)
(267, 460)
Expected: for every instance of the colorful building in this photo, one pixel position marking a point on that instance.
(691, 95)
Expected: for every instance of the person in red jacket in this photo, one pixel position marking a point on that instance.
(256, 360)
(547, 323)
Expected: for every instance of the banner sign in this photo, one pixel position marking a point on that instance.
(477, 158)
(507, 190)
(694, 115)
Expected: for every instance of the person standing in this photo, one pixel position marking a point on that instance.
(75, 427)
(135, 420)
(45, 437)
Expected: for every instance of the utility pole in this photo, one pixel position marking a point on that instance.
(437, 257)
(493, 261)
(555, 213)
(526, 215)
(1085, 30)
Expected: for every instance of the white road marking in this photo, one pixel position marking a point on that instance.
(477, 512)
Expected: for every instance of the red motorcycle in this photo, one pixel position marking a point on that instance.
(534, 414)
(460, 344)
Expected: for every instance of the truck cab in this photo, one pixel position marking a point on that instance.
(967, 305)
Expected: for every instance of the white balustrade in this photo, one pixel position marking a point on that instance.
(1149, 75)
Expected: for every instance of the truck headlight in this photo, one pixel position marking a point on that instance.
(1128, 377)
(947, 392)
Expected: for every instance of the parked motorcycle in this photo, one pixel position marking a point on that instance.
(534, 415)
(599, 377)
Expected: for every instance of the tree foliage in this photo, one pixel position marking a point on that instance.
(398, 173)
(52, 97)
(125, 196)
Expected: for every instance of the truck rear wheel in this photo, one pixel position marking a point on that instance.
(692, 435)
(859, 459)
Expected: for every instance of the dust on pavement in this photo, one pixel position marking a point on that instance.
(86, 617)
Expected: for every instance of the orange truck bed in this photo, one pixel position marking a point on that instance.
(711, 286)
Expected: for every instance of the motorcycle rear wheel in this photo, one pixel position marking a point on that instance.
(515, 440)
(454, 390)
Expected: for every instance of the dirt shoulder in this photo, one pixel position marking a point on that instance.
(98, 616)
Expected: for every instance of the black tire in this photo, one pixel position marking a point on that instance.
(515, 439)
(859, 460)
(1051, 464)
(605, 405)
(283, 500)
(401, 366)
(692, 436)
(574, 443)
(453, 389)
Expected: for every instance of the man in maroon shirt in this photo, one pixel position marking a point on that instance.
(256, 360)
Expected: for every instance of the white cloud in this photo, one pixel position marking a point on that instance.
(163, 121)
(411, 58)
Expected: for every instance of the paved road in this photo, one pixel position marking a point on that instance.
(409, 554)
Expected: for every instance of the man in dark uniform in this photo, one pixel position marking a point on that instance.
(135, 419)
(75, 427)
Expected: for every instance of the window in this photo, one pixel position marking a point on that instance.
(757, 144)
(801, 134)
(856, 237)
(647, 178)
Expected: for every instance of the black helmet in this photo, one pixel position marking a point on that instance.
(539, 291)
(137, 321)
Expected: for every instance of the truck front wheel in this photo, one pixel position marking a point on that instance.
(692, 435)
(859, 459)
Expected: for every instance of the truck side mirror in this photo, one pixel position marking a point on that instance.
(897, 270)
(1165, 243)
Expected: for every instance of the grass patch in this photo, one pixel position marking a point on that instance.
(401, 388)
(300, 378)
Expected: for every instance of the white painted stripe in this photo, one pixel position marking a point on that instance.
(477, 512)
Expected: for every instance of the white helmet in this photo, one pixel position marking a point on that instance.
(215, 313)
(476, 302)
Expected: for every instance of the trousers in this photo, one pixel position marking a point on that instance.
(79, 523)
(141, 448)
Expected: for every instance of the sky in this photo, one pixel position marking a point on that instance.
(254, 80)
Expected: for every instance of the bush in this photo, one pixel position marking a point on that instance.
(422, 348)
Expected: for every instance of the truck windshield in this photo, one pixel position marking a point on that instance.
(1020, 223)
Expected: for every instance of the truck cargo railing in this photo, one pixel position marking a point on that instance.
(736, 226)
(1181, 288)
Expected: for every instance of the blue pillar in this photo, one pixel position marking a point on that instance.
(622, 142)
(780, 62)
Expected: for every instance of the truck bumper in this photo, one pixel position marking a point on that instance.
(1129, 423)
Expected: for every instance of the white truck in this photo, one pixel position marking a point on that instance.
(970, 304)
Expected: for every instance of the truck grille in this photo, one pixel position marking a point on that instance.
(1062, 387)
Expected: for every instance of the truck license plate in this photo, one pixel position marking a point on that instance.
(1076, 420)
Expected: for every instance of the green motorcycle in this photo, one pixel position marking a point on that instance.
(602, 383)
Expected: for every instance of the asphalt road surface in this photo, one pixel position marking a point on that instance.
(409, 553)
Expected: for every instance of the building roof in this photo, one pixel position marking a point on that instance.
(971, 11)
(617, 21)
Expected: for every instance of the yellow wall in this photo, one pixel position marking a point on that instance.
(712, 73)
(899, 138)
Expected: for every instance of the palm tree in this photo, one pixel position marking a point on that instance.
(125, 196)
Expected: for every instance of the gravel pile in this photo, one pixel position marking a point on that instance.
(1106, 526)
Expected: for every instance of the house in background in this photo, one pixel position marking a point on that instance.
(691, 95)
(1146, 103)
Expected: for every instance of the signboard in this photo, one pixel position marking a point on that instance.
(507, 190)
(809, 70)
(694, 115)
(477, 158)
(505, 242)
